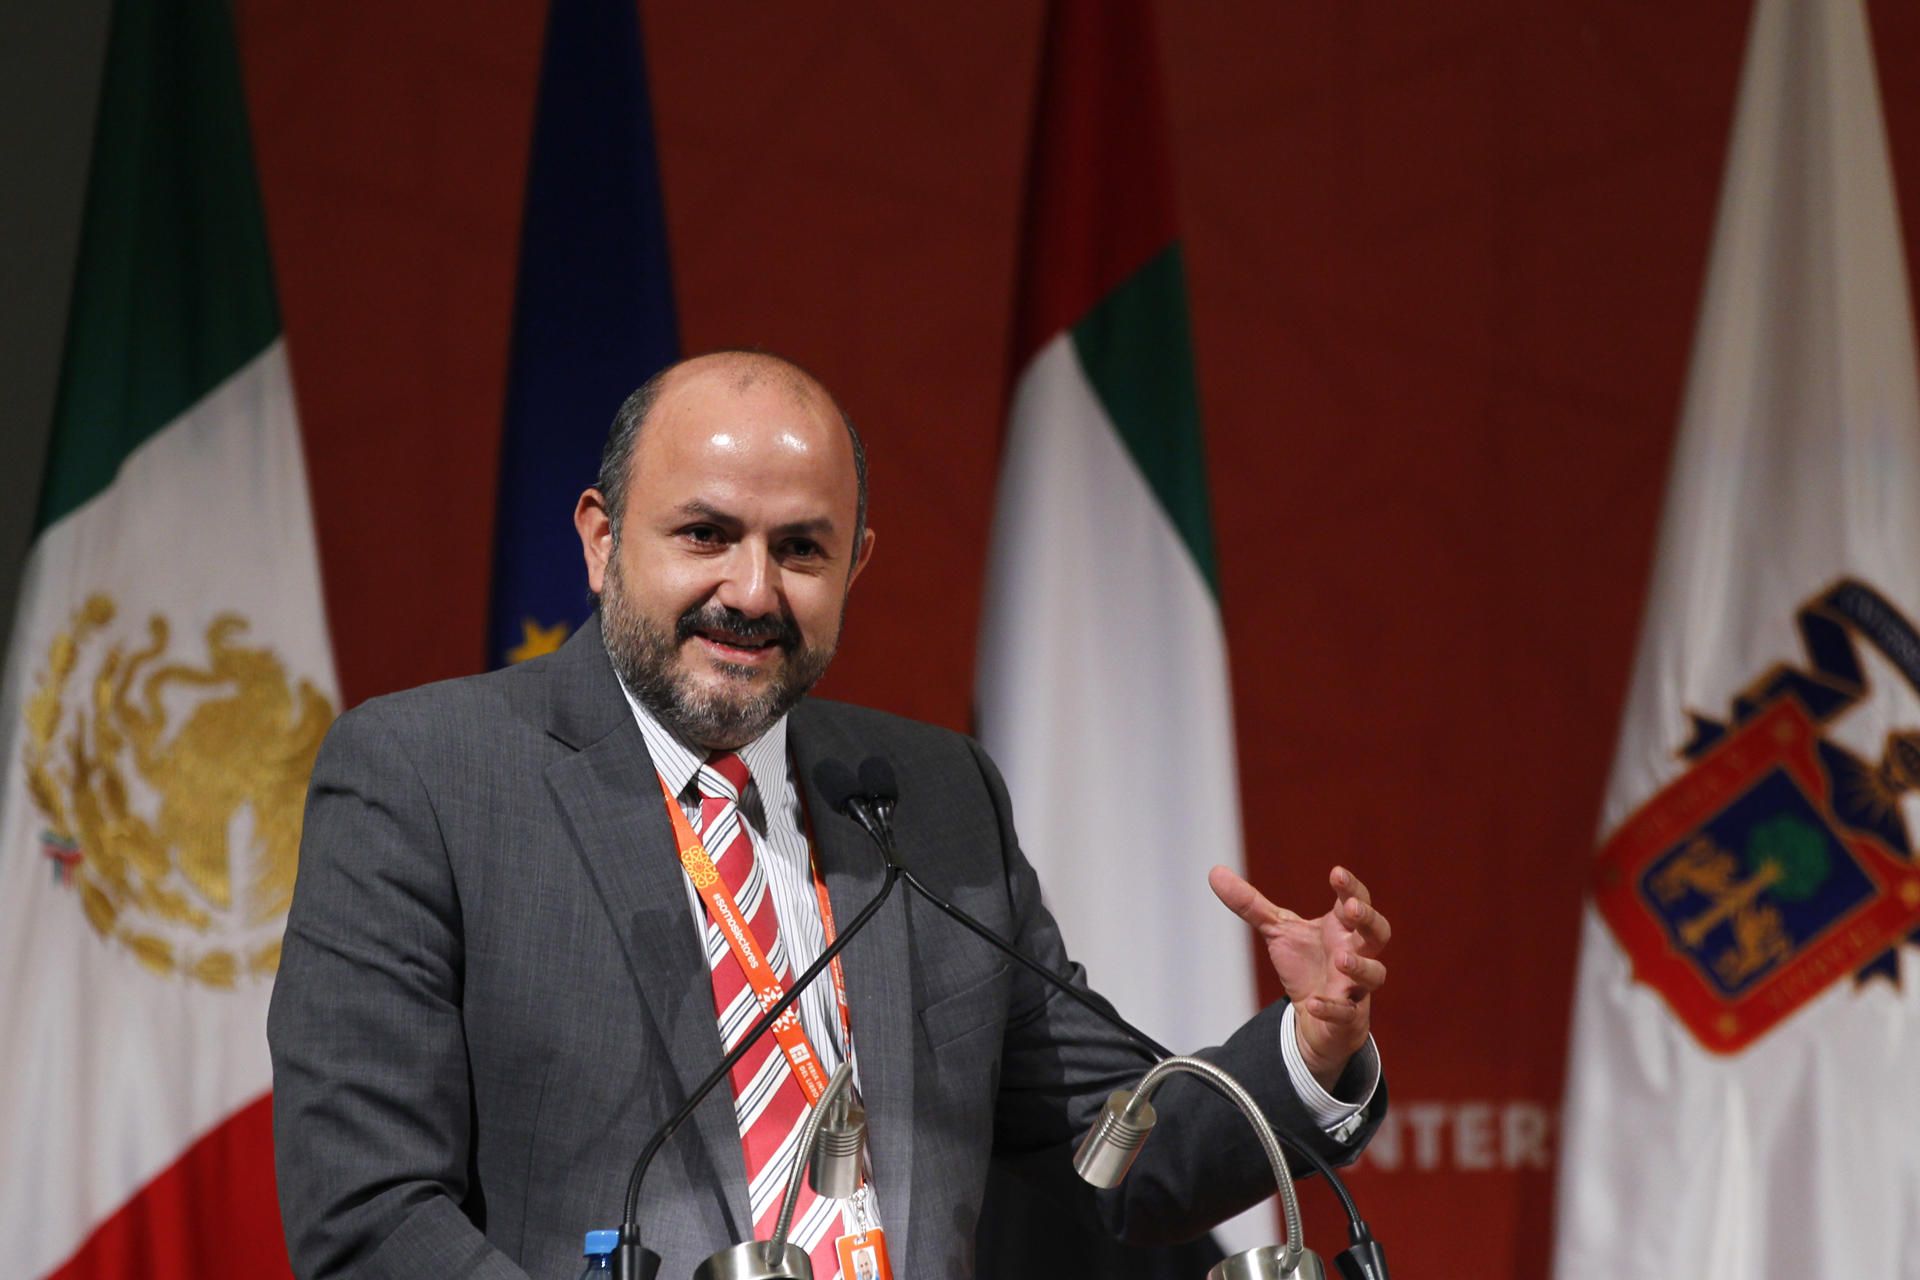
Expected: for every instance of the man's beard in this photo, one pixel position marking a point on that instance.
(647, 660)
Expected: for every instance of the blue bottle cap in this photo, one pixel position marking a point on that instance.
(601, 1243)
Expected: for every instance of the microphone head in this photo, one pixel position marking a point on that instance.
(1107, 1152)
(836, 782)
(833, 1168)
(877, 780)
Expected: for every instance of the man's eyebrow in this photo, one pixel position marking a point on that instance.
(707, 511)
(818, 526)
(813, 526)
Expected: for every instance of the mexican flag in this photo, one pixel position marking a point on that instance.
(1746, 1040)
(1102, 682)
(167, 684)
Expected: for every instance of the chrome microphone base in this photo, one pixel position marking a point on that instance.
(755, 1260)
(1269, 1262)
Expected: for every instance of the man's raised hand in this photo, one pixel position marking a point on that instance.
(1328, 965)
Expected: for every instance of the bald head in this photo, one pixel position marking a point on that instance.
(740, 371)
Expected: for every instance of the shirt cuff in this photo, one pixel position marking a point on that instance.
(1338, 1117)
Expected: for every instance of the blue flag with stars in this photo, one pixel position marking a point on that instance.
(593, 313)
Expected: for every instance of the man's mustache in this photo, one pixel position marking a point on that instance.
(767, 626)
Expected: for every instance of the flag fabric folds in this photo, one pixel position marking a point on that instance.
(1102, 687)
(167, 684)
(1746, 1033)
(593, 313)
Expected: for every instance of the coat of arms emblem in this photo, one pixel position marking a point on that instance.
(1779, 862)
(172, 793)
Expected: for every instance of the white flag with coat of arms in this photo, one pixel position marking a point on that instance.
(1742, 1095)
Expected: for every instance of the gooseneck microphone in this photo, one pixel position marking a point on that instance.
(1107, 1152)
(632, 1260)
(871, 801)
(829, 1158)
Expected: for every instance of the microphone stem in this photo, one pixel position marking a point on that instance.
(1235, 1093)
(1099, 1008)
(629, 1228)
(816, 1117)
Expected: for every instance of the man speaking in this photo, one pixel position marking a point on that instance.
(500, 976)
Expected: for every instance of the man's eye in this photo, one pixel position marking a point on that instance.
(705, 534)
(804, 548)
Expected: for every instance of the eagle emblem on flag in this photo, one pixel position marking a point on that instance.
(1779, 862)
(173, 793)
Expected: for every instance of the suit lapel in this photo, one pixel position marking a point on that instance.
(877, 964)
(611, 799)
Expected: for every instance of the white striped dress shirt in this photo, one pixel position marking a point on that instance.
(775, 824)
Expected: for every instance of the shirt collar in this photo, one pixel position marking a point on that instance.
(678, 762)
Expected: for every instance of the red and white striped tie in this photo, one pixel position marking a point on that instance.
(768, 1102)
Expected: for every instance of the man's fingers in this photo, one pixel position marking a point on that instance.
(1347, 885)
(1337, 1013)
(1366, 921)
(1365, 973)
(1240, 897)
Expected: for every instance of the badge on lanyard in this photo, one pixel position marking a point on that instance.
(863, 1251)
(863, 1256)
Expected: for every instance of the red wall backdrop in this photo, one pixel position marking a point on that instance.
(1444, 262)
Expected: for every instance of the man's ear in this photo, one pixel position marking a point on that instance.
(595, 527)
(861, 556)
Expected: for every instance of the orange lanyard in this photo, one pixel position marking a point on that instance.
(726, 913)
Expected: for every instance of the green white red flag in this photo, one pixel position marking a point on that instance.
(1746, 1036)
(1102, 686)
(167, 683)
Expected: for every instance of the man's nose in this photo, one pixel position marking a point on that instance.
(752, 584)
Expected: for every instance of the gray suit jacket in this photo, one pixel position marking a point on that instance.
(492, 992)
